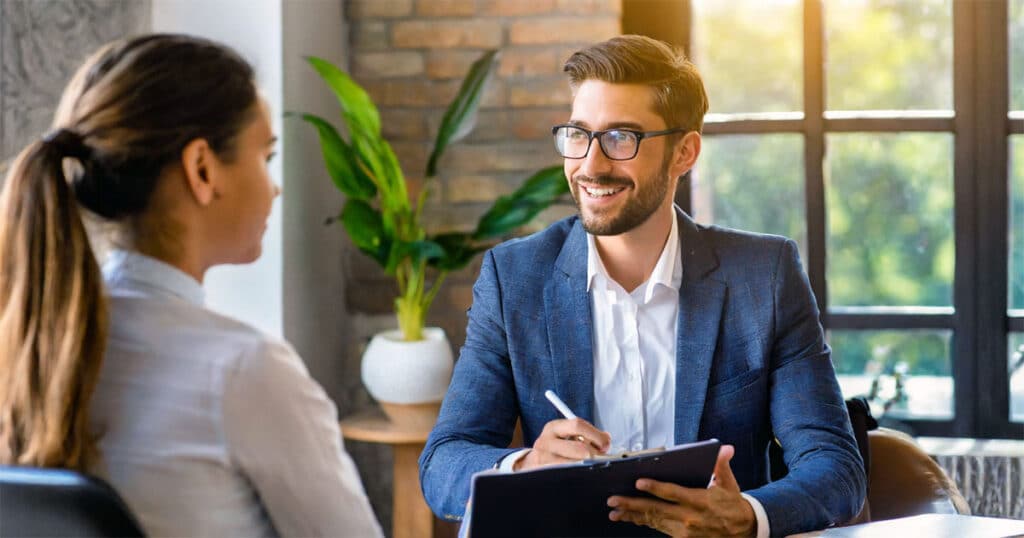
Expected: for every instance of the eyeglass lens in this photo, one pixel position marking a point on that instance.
(573, 143)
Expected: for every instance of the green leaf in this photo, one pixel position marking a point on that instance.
(460, 118)
(514, 210)
(366, 229)
(356, 105)
(340, 159)
(459, 250)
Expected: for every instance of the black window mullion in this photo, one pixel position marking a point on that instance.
(965, 212)
(991, 104)
(814, 147)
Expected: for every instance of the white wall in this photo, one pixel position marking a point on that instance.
(251, 292)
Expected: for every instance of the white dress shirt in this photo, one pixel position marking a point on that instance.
(634, 342)
(211, 428)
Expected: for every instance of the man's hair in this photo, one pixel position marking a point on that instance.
(679, 96)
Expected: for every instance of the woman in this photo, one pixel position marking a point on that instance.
(206, 426)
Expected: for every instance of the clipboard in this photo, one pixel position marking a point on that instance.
(570, 500)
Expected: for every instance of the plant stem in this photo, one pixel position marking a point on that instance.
(414, 301)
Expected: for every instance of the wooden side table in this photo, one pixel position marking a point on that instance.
(411, 517)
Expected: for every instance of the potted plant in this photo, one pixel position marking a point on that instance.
(412, 366)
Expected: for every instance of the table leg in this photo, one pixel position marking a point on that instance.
(412, 518)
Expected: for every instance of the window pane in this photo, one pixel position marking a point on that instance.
(1016, 54)
(890, 219)
(1016, 370)
(910, 68)
(752, 182)
(1015, 238)
(750, 54)
(907, 372)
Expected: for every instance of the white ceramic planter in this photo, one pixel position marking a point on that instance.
(399, 372)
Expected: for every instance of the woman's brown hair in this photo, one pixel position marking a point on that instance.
(126, 115)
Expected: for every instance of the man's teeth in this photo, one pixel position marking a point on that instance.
(602, 192)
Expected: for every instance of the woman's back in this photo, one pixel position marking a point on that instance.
(199, 412)
(206, 426)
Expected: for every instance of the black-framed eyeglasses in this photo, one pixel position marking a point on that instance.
(573, 142)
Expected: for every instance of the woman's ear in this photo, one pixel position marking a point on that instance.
(198, 162)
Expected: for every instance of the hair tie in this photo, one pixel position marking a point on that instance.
(68, 143)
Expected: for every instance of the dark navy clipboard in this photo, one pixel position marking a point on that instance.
(571, 500)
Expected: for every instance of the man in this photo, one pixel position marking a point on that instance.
(654, 330)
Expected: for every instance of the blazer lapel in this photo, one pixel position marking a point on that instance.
(701, 299)
(570, 325)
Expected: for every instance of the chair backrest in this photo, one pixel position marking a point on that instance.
(905, 481)
(58, 502)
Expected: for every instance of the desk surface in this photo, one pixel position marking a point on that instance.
(373, 427)
(931, 525)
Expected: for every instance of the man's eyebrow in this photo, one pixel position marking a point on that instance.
(614, 125)
(272, 141)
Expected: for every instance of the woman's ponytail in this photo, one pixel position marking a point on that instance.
(52, 310)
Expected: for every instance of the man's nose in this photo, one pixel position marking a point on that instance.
(595, 163)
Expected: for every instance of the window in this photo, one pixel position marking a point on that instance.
(887, 138)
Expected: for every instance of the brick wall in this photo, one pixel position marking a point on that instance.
(411, 56)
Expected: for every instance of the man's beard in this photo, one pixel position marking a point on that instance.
(650, 193)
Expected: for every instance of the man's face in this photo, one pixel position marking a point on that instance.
(614, 197)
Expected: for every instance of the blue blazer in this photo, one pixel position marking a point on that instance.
(751, 365)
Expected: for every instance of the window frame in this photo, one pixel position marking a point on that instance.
(981, 123)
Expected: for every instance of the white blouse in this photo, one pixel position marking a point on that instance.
(211, 428)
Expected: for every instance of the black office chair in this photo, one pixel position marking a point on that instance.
(57, 502)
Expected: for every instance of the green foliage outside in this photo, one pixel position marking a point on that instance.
(1016, 239)
(889, 196)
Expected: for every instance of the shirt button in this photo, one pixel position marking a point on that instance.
(638, 446)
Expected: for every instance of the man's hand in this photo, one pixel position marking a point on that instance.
(719, 510)
(565, 440)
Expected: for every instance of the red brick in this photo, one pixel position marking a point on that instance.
(529, 62)
(475, 188)
(496, 95)
(498, 157)
(445, 8)
(367, 35)
(387, 64)
(366, 9)
(448, 218)
(539, 92)
(589, 7)
(460, 296)
(409, 92)
(443, 64)
(412, 156)
(403, 124)
(552, 30)
(536, 124)
(513, 8)
(491, 124)
(449, 33)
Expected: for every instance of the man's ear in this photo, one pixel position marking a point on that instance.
(685, 155)
(197, 161)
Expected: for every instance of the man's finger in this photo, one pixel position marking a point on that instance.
(723, 471)
(577, 427)
(649, 513)
(673, 492)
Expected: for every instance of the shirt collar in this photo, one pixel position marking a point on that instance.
(130, 270)
(667, 272)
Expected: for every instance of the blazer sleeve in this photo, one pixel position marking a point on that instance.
(826, 484)
(479, 412)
